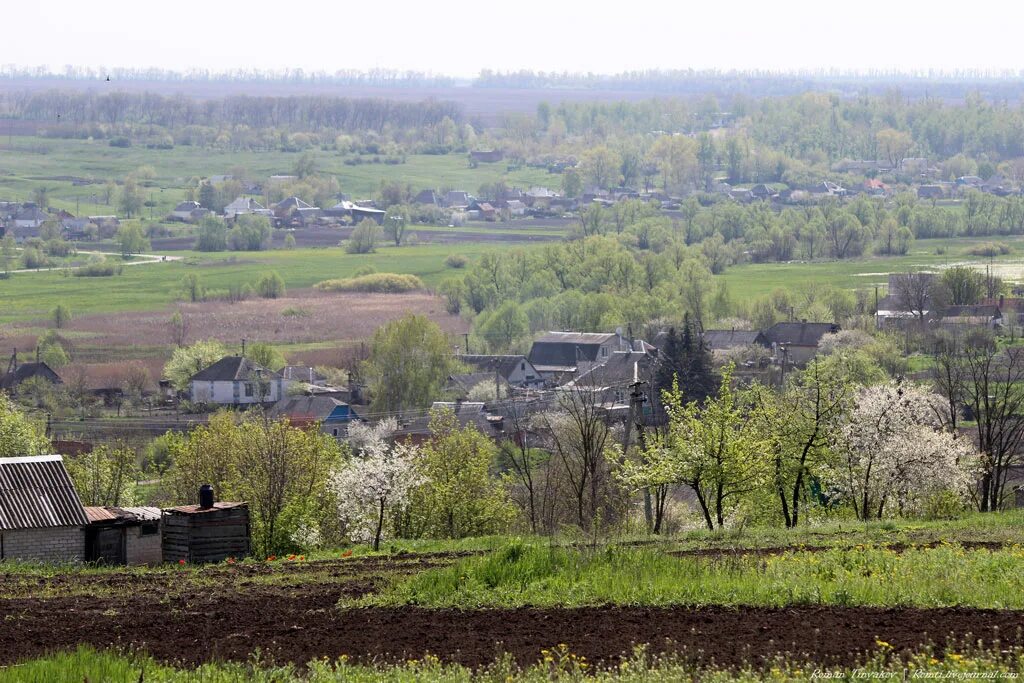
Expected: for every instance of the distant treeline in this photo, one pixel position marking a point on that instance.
(311, 113)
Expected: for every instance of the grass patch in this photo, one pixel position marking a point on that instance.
(531, 574)
(558, 663)
(377, 283)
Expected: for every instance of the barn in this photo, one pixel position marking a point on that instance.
(207, 532)
(41, 516)
(129, 535)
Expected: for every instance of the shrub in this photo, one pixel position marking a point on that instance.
(102, 269)
(296, 312)
(456, 261)
(989, 249)
(387, 283)
(270, 286)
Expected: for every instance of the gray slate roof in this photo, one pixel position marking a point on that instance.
(799, 334)
(232, 369)
(25, 371)
(36, 492)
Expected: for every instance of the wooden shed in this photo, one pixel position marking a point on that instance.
(123, 535)
(196, 533)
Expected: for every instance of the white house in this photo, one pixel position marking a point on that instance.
(243, 206)
(30, 216)
(235, 381)
(188, 211)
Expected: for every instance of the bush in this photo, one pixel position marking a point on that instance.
(270, 286)
(387, 283)
(102, 269)
(456, 261)
(989, 249)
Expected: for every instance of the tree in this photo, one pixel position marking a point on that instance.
(373, 482)
(687, 364)
(213, 234)
(894, 144)
(251, 233)
(410, 361)
(572, 184)
(962, 285)
(51, 350)
(458, 496)
(131, 197)
(132, 240)
(9, 251)
(800, 422)
(396, 223)
(178, 328)
(61, 316)
(188, 360)
(289, 241)
(599, 167)
(917, 293)
(364, 237)
(270, 285)
(19, 436)
(105, 475)
(713, 449)
(193, 287)
(265, 355)
(504, 326)
(896, 453)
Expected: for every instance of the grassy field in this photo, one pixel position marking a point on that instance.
(28, 296)
(43, 162)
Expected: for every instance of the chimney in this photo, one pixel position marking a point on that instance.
(205, 497)
(1002, 300)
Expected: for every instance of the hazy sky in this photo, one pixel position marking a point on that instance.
(459, 37)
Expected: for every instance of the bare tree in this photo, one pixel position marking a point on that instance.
(916, 292)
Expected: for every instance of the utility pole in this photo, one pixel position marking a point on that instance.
(636, 420)
(466, 335)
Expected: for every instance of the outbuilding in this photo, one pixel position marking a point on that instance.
(41, 516)
(121, 536)
(207, 532)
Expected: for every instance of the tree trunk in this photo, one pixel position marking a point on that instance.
(380, 526)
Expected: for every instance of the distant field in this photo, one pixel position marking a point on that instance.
(757, 279)
(44, 162)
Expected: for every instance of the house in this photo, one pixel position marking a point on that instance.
(29, 216)
(332, 414)
(614, 380)
(875, 187)
(123, 536)
(966, 181)
(236, 381)
(188, 212)
(931, 192)
(515, 207)
(827, 188)
(720, 341)
(466, 413)
(76, 229)
(797, 342)
(514, 369)
(41, 516)
(18, 373)
(762, 191)
(360, 213)
(427, 198)
(487, 156)
(243, 206)
(981, 315)
(740, 194)
(998, 185)
(462, 385)
(457, 200)
(208, 532)
(304, 374)
(284, 208)
(556, 353)
(484, 211)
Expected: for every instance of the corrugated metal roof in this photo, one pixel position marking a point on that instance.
(35, 492)
(144, 513)
(98, 514)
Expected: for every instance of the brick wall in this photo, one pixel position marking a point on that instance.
(55, 544)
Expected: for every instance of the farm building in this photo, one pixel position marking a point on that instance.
(41, 516)
(123, 535)
(207, 532)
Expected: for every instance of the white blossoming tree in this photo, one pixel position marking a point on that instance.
(895, 452)
(376, 481)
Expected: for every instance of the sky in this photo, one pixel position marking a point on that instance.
(459, 38)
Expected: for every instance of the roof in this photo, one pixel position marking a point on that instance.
(799, 334)
(27, 371)
(302, 373)
(231, 369)
(292, 203)
(188, 206)
(566, 349)
(243, 204)
(36, 492)
(728, 339)
(467, 381)
(316, 408)
(503, 365)
(196, 510)
(618, 371)
(978, 311)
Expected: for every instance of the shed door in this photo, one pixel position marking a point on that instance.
(108, 546)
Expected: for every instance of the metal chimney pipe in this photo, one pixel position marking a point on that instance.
(205, 497)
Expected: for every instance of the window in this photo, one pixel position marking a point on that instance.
(334, 432)
(522, 366)
(150, 528)
(604, 352)
(620, 396)
(248, 390)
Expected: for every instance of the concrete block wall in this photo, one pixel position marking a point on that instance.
(51, 544)
(142, 549)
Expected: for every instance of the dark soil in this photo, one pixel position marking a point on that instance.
(300, 623)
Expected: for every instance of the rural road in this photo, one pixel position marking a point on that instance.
(146, 258)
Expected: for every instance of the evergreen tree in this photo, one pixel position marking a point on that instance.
(688, 361)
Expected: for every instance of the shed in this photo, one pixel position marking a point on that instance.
(194, 533)
(123, 535)
(41, 516)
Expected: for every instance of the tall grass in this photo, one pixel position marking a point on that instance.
(557, 664)
(530, 574)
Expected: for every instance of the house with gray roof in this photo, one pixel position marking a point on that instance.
(556, 353)
(515, 369)
(237, 381)
(41, 515)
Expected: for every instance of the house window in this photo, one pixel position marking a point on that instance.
(620, 396)
(248, 390)
(150, 528)
(334, 432)
(604, 352)
(522, 366)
